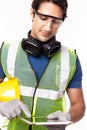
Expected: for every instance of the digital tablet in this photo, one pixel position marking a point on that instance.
(58, 122)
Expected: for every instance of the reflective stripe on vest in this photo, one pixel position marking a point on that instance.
(12, 57)
(42, 93)
(64, 65)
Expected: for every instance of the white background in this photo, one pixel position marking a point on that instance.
(15, 22)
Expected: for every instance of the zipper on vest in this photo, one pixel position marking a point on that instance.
(34, 104)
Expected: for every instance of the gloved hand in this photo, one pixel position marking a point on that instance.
(58, 115)
(13, 108)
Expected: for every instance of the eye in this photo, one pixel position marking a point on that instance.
(43, 17)
(57, 21)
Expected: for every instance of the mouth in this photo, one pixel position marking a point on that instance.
(45, 34)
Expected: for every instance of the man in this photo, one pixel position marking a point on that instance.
(45, 70)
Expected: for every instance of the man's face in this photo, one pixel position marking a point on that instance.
(45, 21)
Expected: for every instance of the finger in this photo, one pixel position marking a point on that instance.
(56, 114)
(51, 120)
(8, 115)
(25, 109)
(18, 111)
(50, 116)
(13, 114)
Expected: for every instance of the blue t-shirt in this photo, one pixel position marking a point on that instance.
(39, 64)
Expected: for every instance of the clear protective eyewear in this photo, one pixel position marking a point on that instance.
(44, 17)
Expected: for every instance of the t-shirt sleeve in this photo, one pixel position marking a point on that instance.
(76, 81)
(2, 75)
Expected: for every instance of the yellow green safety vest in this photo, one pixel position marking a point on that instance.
(47, 95)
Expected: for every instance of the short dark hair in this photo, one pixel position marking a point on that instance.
(62, 3)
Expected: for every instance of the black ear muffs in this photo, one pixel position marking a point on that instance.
(35, 47)
(51, 48)
(32, 47)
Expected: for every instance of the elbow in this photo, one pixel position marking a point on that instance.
(81, 113)
(83, 109)
(78, 113)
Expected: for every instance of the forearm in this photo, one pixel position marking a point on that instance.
(77, 111)
(77, 104)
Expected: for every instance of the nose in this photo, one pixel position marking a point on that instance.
(48, 26)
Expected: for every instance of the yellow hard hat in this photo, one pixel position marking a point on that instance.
(9, 90)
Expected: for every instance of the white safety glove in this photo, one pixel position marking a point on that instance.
(58, 115)
(13, 108)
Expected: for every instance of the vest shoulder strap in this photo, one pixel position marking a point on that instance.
(8, 54)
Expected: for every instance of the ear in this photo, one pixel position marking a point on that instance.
(32, 13)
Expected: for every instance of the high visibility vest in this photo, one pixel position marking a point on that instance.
(46, 95)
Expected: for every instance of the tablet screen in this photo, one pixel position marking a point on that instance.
(44, 122)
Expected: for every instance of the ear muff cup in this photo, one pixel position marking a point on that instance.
(33, 48)
(51, 48)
